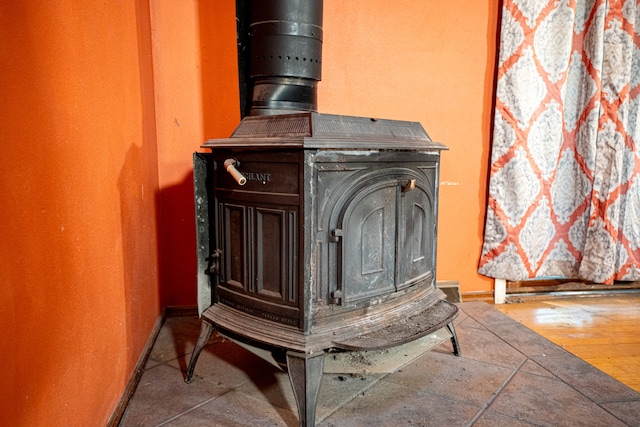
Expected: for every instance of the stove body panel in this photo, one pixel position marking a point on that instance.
(335, 224)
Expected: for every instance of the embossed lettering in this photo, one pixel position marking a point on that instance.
(255, 176)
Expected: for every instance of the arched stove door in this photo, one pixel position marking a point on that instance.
(385, 236)
(366, 257)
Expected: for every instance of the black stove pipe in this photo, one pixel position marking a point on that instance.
(286, 55)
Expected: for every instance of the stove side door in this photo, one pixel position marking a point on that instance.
(258, 234)
(202, 184)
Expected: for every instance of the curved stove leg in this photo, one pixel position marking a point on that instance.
(206, 329)
(305, 374)
(454, 339)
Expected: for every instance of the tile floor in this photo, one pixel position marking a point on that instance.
(507, 376)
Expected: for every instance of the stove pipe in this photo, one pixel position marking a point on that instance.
(286, 55)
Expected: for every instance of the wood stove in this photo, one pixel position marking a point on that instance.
(318, 231)
(315, 231)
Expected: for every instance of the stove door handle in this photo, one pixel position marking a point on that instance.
(230, 166)
(407, 185)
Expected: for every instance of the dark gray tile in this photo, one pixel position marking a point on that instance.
(484, 346)
(335, 390)
(234, 387)
(338, 389)
(587, 379)
(461, 315)
(177, 337)
(549, 402)
(452, 377)
(225, 363)
(524, 339)
(627, 412)
(470, 322)
(492, 419)
(236, 409)
(533, 368)
(151, 363)
(389, 404)
(517, 335)
(163, 394)
(484, 313)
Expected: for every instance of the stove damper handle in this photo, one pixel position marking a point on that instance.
(230, 166)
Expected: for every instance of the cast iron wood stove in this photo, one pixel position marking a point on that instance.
(316, 231)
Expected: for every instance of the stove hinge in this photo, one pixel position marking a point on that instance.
(336, 295)
(213, 268)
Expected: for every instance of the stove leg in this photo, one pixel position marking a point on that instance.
(305, 374)
(454, 339)
(206, 329)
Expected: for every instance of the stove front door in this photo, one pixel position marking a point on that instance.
(381, 225)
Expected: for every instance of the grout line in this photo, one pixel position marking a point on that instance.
(496, 393)
(175, 417)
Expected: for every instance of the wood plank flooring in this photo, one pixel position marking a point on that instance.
(604, 330)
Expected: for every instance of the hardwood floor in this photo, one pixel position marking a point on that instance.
(602, 330)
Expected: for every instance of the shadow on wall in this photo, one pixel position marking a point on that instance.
(221, 113)
(138, 244)
(176, 228)
(137, 186)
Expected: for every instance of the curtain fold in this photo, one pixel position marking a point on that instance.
(564, 186)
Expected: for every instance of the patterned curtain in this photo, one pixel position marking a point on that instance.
(564, 189)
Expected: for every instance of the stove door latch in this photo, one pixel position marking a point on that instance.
(214, 263)
(336, 235)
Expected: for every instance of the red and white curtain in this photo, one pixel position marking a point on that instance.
(564, 189)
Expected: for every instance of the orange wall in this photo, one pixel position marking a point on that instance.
(426, 61)
(78, 178)
(432, 62)
(196, 92)
(101, 107)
